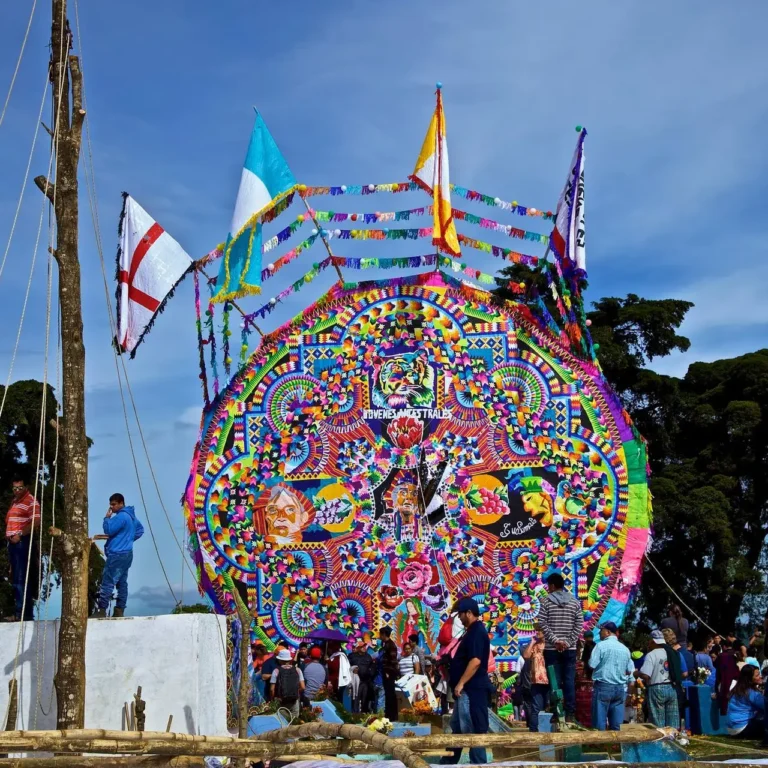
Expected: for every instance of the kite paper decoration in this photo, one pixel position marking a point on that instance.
(407, 442)
(266, 178)
(431, 174)
(150, 264)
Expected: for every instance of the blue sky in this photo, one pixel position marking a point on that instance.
(673, 97)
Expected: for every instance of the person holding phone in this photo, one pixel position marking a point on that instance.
(122, 530)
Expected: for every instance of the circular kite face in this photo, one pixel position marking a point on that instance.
(403, 444)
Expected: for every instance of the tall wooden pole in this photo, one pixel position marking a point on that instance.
(74, 543)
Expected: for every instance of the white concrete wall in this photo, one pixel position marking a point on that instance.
(179, 662)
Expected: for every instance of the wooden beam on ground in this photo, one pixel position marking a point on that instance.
(269, 745)
(76, 761)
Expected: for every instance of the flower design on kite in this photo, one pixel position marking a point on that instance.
(414, 578)
(405, 431)
(436, 597)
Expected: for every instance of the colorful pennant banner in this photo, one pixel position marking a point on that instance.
(428, 260)
(374, 218)
(271, 269)
(382, 234)
(467, 194)
(497, 202)
(317, 268)
(359, 189)
(284, 234)
(495, 226)
(475, 274)
(501, 253)
(405, 262)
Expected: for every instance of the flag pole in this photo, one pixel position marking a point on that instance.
(322, 236)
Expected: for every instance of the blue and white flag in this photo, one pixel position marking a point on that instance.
(266, 178)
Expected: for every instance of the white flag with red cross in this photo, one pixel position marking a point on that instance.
(150, 264)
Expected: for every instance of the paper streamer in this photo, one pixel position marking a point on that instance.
(273, 268)
(405, 262)
(485, 223)
(501, 253)
(293, 288)
(467, 194)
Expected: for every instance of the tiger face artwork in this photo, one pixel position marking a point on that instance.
(404, 380)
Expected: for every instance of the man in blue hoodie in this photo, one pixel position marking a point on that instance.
(122, 528)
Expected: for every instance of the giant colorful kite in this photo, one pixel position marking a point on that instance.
(405, 442)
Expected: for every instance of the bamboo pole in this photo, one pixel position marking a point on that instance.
(269, 745)
(490, 740)
(13, 704)
(323, 238)
(76, 761)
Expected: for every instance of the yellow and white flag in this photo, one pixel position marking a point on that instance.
(431, 173)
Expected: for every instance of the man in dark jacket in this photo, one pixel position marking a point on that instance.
(364, 666)
(469, 681)
(562, 620)
(389, 672)
(122, 529)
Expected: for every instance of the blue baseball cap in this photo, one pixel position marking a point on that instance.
(610, 626)
(467, 604)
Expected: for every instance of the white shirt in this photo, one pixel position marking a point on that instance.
(656, 666)
(407, 664)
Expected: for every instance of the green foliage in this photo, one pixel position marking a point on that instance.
(194, 608)
(20, 430)
(711, 496)
(632, 332)
(707, 439)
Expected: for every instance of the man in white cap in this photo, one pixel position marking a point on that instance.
(287, 682)
(657, 674)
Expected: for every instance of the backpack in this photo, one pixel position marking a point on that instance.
(446, 632)
(287, 686)
(365, 668)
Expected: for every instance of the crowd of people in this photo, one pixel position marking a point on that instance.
(365, 678)
(639, 684)
(654, 680)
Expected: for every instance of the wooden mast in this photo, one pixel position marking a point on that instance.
(74, 543)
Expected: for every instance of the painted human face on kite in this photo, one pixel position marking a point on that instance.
(285, 516)
(405, 500)
(538, 505)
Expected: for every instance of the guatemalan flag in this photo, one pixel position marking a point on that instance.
(266, 178)
(150, 264)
